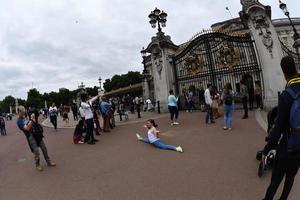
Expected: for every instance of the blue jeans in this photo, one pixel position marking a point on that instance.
(159, 144)
(228, 111)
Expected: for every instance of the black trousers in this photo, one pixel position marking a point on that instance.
(287, 167)
(258, 100)
(173, 111)
(245, 106)
(89, 130)
(138, 110)
(209, 114)
(53, 120)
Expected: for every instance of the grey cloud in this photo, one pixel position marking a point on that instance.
(60, 43)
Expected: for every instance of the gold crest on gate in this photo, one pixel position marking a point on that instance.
(228, 57)
(194, 64)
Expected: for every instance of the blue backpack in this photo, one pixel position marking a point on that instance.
(294, 136)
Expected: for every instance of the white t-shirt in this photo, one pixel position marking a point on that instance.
(88, 114)
(151, 136)
(208, 99)
(81, 112)
(53, 111)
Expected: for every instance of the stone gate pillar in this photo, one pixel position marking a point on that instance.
(257, 18)
(161, 49)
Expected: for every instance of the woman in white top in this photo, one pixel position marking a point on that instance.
(154, 139)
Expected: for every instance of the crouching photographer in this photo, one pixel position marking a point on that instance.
(34, 135)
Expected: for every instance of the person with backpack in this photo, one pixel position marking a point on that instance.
(227, 98)
(34, 135)
(285, 136)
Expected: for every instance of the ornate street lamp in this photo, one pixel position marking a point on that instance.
(159, 17)
(296, 45)
(100, 82)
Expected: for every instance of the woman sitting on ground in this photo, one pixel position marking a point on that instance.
(78, 133)
(153, 137)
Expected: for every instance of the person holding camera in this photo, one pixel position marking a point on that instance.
(285, 137)
(34, 135)
(89, 118)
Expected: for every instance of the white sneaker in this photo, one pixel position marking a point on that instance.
(176, 123)
(80, 142)
(138, 136)
(179, 149)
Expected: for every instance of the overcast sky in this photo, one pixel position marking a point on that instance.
(60, 43)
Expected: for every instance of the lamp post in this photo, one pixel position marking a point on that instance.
(296, 45)
(100, 91)
(100, 82)
(159, 17)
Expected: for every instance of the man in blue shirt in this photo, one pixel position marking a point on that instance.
(105, 109)
(26, 126)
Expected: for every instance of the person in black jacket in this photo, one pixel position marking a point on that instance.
(287, 162)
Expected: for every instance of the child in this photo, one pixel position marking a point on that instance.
(79, 130)
(154, 139)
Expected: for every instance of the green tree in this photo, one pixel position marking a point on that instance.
(34, 99)
(6, 103)
(124, 80)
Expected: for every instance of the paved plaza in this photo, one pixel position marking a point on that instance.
(216, 165)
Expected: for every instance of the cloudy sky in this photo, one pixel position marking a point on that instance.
(60, 43)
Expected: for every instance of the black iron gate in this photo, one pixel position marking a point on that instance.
(216, 58)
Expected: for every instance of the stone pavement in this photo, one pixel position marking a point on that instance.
(216, 164)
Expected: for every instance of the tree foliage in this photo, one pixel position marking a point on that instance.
(124, 80)
(64, 96)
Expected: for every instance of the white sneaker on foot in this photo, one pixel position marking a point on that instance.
(176, 123)
(179, 149)
(138, 136)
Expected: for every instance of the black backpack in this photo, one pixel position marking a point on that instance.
(37, 132)
(228, 98)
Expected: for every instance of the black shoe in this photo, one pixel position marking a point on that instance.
(91, 142)
(212, 122)
(95, 140)
(245, 117)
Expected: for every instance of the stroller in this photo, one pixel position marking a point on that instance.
(268, 162)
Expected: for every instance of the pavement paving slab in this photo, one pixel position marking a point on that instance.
(215, 165)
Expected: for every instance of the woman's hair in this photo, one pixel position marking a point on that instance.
(228, 86)
(288, 66)
(171, 92)
(80, 123)
(152, 122)
(83, 97)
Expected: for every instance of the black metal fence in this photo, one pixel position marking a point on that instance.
(216, 58)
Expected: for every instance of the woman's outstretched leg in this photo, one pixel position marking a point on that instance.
(161, 145)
